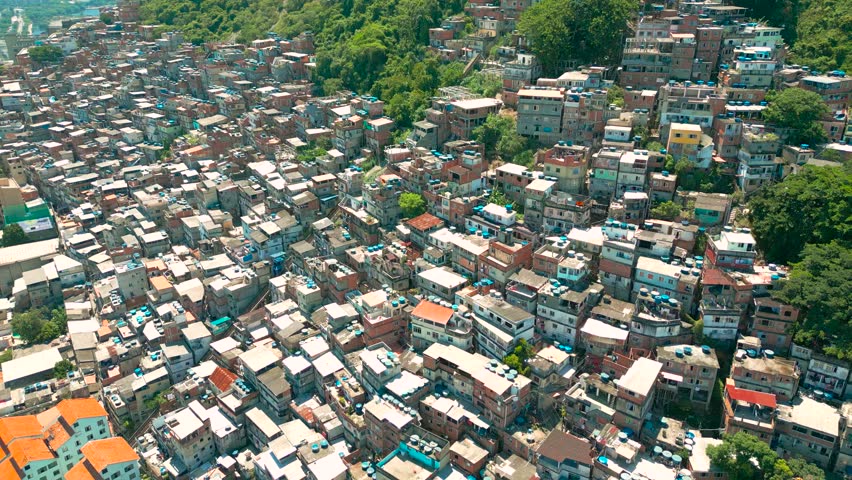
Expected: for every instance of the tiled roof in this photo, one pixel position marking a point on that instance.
(751, 396)
(561, 446)
(56, 435)
(222, 379)
(12, 428)
(74, 409)
(28, 450)
(715, 276)
(432, 312)
(8, 470)
(80, 472)
(424, 222)
(109, 451)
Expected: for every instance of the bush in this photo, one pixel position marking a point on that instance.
(62, 369)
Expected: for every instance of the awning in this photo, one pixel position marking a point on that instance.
(672, 376)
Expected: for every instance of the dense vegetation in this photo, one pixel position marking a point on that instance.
(39, 325)
(807, 220)
(499, 135)
(210, 20)
(13, 235)
(823, 34)
(820, 286)
(369, 46)
(590, 31)
(814, 206)
(800, 111)
(820, 31)
(45, 53)
(62, 369)
(745, 457)
(42, 13)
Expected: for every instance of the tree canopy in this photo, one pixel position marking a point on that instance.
(412, 204)
(666, 211)
(62, 369)
(40, 325)
(823, 33)
(800, 111)
(206, 20)
(483, 83)
(745, 457)
(517, 360)
(814, 206)
(589, 31)
(819, 285)
(369, 46)
(499, 134)
(45, 53)
(13, 235)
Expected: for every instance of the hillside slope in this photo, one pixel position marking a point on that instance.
(824, 35)
(369, 46)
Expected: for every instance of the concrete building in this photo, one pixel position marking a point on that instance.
(540, 114)
(689, 373)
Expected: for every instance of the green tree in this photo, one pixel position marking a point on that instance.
(13, 234)
(525, 158)
(498, 198)
(59, 317)
(655, 146)
(7, 355)
(49, 331)
(803, 470)
(28, 324)
(823, 34)
(698, 331)
(800, 111)
(666, 211)
(615, 95)
(483, 83)
(547, 25)
(412, 204)
(810, 207)
(45, 53)
(156, 401)
(517, 360)
(511, 145)
(743, 457)
(128, 426)
(62, 369)
(107, 19)
(589, 31)
(819, 285)
(499, 135)
(451, 73)
(40, 325)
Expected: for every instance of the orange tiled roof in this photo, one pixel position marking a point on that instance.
(433, 312)
(28, 450)
(8, 471)
(56, 435)
(12, 428)
(424, 222)
(222, 378)
(74, 409)
(80, 472)
(109, 451)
